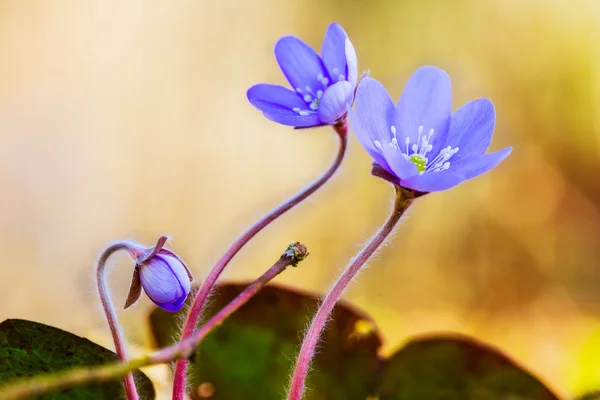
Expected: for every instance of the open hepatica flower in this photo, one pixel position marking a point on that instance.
(420, 144)
(322, 86)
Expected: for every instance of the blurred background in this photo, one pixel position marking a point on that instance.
(130, 120)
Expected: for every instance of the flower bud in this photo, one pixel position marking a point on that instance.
(163, 276)
(165, 280)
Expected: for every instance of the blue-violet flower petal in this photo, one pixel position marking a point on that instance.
(338, 55)
(424, 109)
(471, 128)
(281, 105)
(335, 101)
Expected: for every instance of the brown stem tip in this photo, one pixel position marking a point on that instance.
(296, 252)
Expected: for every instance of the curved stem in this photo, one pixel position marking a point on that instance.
(111, 316)
(27, 388)
(403, 200)
(211, 279)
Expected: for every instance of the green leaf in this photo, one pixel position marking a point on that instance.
(251, 355)
(453, 367)
(29, 348)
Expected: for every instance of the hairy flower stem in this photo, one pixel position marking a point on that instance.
(404, 199)
(28, 388)
(111, 316)
(198, 303)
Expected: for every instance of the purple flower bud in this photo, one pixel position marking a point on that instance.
(163, 276)
(165, 280)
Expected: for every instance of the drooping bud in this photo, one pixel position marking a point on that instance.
(163, 276)
(165, 281)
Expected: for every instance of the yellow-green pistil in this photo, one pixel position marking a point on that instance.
(419, 161)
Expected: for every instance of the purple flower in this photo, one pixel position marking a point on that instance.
(420, 144)
(163, 276)
(323, 86)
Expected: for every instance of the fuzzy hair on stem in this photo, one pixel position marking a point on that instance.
(111, 315)
(403, 200)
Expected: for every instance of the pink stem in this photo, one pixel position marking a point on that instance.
(404, 199)
(211, 279)
(111, 316)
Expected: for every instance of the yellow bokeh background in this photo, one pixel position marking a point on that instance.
(128, 120)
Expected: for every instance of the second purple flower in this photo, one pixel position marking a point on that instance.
(323, 86)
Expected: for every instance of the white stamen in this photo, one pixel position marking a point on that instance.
(393, 129)
(298, 90)
(319, 94)
(341, 77)
(304, 113)
(336, 71)
(440, 167)
(313, 106)
(422, 147)
(377, 144)
(325, 81)
(319, 76)
(308, 89)
(440, 158)
(296, 109)
(307, 98)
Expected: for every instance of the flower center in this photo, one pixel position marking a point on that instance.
(419, 161)
(417, 152)
(311, 97)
